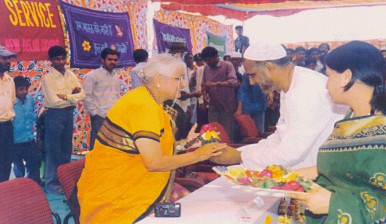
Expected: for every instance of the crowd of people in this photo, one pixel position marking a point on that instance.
(328, 109)
(312, 58)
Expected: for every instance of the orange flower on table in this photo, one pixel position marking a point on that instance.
(86, 45)
(277, 171)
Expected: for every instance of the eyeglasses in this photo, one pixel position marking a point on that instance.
(180, 79)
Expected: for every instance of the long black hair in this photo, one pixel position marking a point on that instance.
(367, 65)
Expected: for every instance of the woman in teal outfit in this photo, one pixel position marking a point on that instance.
(351, 166)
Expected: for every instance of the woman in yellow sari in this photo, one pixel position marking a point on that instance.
(351, 165)
(131, 166)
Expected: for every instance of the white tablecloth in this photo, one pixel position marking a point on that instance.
(220, 202)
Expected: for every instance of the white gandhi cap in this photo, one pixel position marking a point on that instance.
(265, 51)
(235, 55)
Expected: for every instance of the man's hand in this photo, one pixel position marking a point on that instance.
(209, 85)
(76, 90)
(228, 156)
(197, 94)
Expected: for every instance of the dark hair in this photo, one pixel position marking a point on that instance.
(108, 51)
(209, 52)
(300, 49)
(140, 55)
(187, 55)
(313, 49)
(325, 44)
(21, 81)
(55, 51)
(238, 27)
(197, 57)
(289, 49)
(226, 57)
(177, 46)
(366, 64)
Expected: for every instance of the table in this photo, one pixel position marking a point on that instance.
(221, 202)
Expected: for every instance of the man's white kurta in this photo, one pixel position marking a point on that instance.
(307, 117)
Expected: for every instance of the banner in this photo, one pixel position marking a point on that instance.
(166, 34)
(218, 42)
(92, 31)
(29, 28)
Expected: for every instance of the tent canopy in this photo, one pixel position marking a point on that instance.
(245, 9)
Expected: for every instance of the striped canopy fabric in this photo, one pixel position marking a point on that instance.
(245, 9)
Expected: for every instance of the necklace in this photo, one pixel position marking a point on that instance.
(168, 111)
(151, 93)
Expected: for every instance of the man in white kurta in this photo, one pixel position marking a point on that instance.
(307, 117)
(307, 114)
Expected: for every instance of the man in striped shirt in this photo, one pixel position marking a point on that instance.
(102, 87)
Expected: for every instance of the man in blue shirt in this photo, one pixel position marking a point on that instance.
(253, 101)
(241, 42)
(25, 147)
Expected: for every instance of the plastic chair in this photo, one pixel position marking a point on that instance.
(23, 201)
(68, 176)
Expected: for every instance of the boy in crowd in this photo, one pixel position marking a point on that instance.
(25, 147)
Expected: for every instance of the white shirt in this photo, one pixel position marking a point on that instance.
(319, 66)
(102, 90)
(7, 98)
(307, 117)
(135, 75)
(56, 83)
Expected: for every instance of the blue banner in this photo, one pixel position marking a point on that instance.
(167, 34)
(92, 31)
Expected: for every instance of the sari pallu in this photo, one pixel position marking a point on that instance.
(352, 165)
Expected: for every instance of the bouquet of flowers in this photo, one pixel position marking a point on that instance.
(208, 134)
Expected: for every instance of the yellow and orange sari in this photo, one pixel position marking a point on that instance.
(115, 186)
